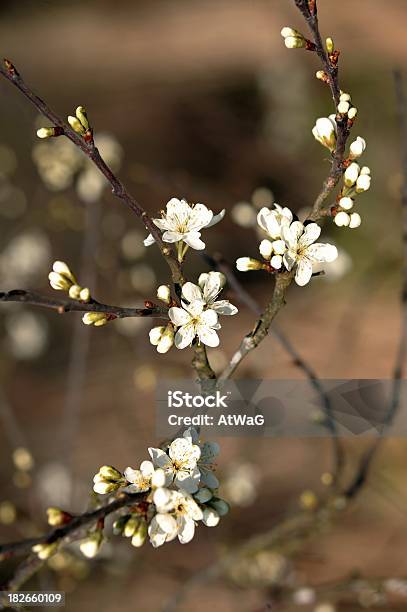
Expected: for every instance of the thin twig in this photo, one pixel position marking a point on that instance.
(66, 305)
(90, 150)
(320, 210)
(72, 528)
(219, 263)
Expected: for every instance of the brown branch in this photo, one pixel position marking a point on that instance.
(62, 306)
(88, 147)
(330, 66)
(74, 526)
(283, 280)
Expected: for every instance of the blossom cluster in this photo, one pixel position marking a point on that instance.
(196, 317)
(180, 490)
(356, 179)
(290, 245)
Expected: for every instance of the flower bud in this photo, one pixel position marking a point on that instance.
(355, 220)
(164, 294)
(45, 551)
(57, 517)
(76, 125)
(84, 294)
(352, 113)
(110, 473)
(82, 116)
(324, 131)
(266, 249)
(330, 47)
(276, 262)
(343, 107)
(131, 526)
(294, 42)
(166, 340)
(287, 31)
(140, 535)
(244, 264)
(363, 183)
(155, 334)
(343, 96)
(203, 495)
(90, 546)
(74, 292)
(279, 247)
(120, 523)
(346, 203)
(46, 132)
(103, 487)
(58, 282)
(357, 148)
(351, 174)
(342, 219)
(95, 318)
(365, 170)
(321, 75)
(220, 506)
(210, 517)
(60, 267)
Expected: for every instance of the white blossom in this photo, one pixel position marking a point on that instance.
(244, 264)
(302, 251)
(210, 284)
(180, 464)
(193, 320)
(325, 131)
(145, 478)
(272, 221)
(351, 174)
(90, 546)
(355, 220)
(183, 222)
(292, 38)
(346, 203)
(342, 219)
(176, 514)
(357, 147)
(162, 337)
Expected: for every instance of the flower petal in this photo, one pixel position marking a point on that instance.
(172, 236)
(149, 240)
(216, 218)
(179, 316)
(191, 292)
(184, 336)
(193, 240)
(320, 252)
(159, 458)
(186, 529)
(188, 480)
(311, 233)
(304, 272)
(207, 336)
(224, 307)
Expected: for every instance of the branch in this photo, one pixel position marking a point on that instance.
(330, 65)
(62, 306)
(90, 150)
(283, 280)
(74, 526)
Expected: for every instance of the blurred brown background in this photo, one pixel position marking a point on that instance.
(199, 99)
